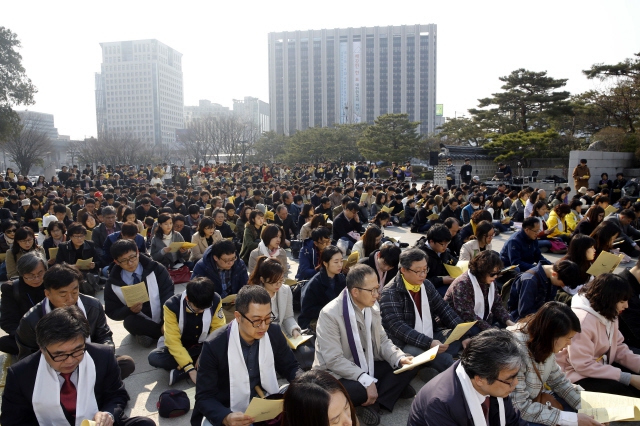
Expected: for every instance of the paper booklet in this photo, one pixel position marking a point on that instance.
(606, 263)
(419, 360)
(458, 269)
(459, 331)
(178, 245)
(434, 216)
(351, 260)
(53, 252)
(605, 407)
(295, 342)
(84, 264)
(264, 409)
(229, 299)
(134, 294)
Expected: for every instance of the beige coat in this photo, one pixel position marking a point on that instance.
(282, 307)
(332, 347)
(255, 254)
(202, 245)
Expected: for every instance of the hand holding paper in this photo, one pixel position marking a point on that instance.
(262, 410)
(606, 263)
(419, 360)
(84, 264)
(297, 341)
(459, 331)
(134, 294)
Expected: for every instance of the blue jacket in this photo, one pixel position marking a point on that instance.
(319, 291)
(308, 261)
(106, 256)
(529, 292)
(522, 251)
(467, 212)
(207, 267)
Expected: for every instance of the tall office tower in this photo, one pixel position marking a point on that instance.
(253, 110)
(205, 108)
(139, 91)
(352, 75)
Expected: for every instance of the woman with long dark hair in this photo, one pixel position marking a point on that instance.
(160, 244)
(316, 398)
(591, 219)
(370, 241)
(269, 246)
(582, 251)
(252, 231)
(605, 234)
(206, 235)
(542, 335)
(540, 210)
(597, 358)
(484, 234)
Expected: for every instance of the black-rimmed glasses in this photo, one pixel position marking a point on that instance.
(63, 357)
(257, 323)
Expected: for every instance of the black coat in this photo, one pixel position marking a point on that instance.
(213, 398)
(109, 389)
(99, 236)
(436, 265)
(12, 310)
(67, 253)
(99, 330)
(372, 263)
(629, 322)
(289, 228)
(441, 402)
(316, 294)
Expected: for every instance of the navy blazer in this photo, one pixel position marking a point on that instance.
(213, 397)
(441, 401)
(109, 389)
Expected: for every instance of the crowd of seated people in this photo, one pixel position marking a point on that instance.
(231, 229)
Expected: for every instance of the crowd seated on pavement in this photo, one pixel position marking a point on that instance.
(231, 233)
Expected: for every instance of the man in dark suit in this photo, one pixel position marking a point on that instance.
(284, 220)
(488, 368)
(75, 379)
(108, 226)
(216, 401)
(61, 288)
(384, 262)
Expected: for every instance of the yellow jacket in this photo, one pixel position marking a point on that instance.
(173, 337)
(562, 228)
(572, 221)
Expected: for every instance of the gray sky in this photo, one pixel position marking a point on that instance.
(224, 43)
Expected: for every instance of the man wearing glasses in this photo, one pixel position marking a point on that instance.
(241, 359)
(409, 306)
(352, 345)
(189, 317)
(62, 288)
(474, 390)
(228, 273)
(142, 320)
(68, 380)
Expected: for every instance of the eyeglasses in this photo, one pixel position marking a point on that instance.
(10, 231)
(443, 243)
(374, 291)
(129, 260)
(33, 277)
(509, 383)
(228, 260)
(258, 323)
(78, 237)
(494, 274)
(63, 357)
(28, 241)
(423, 272)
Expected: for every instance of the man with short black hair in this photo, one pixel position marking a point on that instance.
(476, 389)
(352, 345)
(189, 317)
(108, 226)
(539, 285)
(309, 256)
(521, 249)
(62, 288)
(628, 233)
(384, 263)
(438, 254)
(240, 357)
(142, 320)
(347, 226)
(465, 171)
(68, 380)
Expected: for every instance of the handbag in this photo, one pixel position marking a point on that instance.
(180, 275)
(544, 398)
(558, 247)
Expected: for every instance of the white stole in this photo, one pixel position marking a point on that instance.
(478, 308)
(206, 319)
(239, 383)
(423, 324)
(46, 393)
(79, 304)
(154, 297)
(472, 400)
(366, 362)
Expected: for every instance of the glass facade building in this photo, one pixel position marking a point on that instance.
(352, 75)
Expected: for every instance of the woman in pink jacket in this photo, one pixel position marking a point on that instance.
(597, 358)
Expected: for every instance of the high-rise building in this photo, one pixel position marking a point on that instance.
(352, 75)
(253, 110)
(204, 108)
(40, 122)
(139, 91)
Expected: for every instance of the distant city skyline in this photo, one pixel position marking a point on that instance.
(225, 55)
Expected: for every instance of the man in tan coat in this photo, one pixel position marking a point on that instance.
(352, 345)
(581, 175)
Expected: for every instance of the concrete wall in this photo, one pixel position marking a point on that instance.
(601, 162)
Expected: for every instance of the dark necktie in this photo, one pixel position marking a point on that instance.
(485, 408)
(136, 278)
(68, 394)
